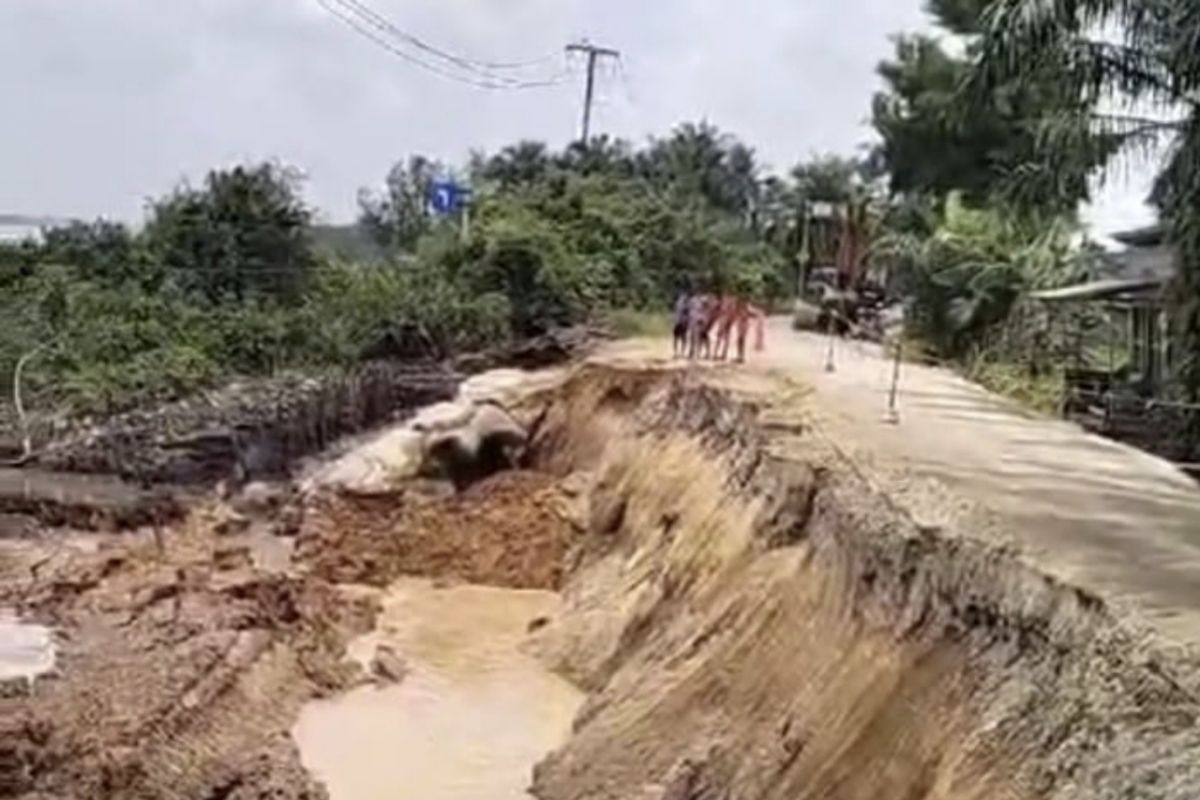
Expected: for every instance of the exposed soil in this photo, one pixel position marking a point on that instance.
(179, 669)
(92, 502)
(182, 669)
(511, 530)
(752, 616)
(755, 619)
(256, 429)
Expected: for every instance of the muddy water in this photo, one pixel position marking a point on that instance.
(470, 720)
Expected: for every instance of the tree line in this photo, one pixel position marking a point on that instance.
(232, 276)
(986, 148)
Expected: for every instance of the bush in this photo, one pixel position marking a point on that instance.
(1044, 392)
(631, 323)
(224, 279)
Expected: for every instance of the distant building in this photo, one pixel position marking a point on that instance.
(12, 232)
(1131, 284)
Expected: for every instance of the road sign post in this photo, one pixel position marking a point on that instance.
(447, 198)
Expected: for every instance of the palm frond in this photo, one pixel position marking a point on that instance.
(1069, 38)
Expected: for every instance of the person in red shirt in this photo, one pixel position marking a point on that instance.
(744, 315)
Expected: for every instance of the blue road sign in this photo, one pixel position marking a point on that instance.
(446, 197)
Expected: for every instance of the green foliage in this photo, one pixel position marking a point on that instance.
(1044, 392)
(206, 290)
(632, 323)
(576, 247)
(398, 217)
(102, 251)
(398, 309)
(1141, 61)
(244, 236)
(829, 179)
(226, 279)
(943, 133)
(964, 278)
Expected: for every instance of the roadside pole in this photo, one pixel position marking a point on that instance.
(893, 411)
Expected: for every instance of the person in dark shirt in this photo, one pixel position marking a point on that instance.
(683, 305)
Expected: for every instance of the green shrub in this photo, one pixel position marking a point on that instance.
(631, 323)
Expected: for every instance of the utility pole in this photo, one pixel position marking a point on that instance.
(594, 54)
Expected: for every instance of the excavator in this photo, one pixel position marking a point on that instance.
(848, 303)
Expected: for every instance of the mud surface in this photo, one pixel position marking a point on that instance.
(178, 668)
(752, 613)
(182, 665)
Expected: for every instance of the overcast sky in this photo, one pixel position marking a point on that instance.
(108, 102)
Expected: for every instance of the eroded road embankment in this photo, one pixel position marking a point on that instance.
(748, 616)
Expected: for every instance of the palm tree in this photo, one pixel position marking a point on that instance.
(520, 164)
(600, 155)
(698, 160)
(1141, 57)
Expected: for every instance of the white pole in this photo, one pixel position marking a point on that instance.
(893, 412)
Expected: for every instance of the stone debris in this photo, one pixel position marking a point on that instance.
(388, 665)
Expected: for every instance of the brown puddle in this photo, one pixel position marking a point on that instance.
(469, 721)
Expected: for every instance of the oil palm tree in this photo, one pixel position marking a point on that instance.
(1139, 62)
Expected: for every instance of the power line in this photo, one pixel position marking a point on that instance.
(388, 46)
(470, 64)
(358, 15)
(533, 62)
(354, 23)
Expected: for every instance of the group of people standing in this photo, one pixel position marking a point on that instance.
(705, 325)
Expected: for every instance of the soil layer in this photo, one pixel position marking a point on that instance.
(510, 530)
(752, 614)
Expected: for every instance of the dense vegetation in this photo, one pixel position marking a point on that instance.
(231, 277)
(1135, 69)
(975, 220)
(1006, 131)
(969, 200)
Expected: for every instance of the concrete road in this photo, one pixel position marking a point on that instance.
(1100, 515)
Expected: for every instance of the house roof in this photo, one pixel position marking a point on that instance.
(1148, 263)
(1136, 274)
(1148, 236)
(1104, 289)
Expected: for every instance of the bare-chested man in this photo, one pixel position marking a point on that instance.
(726, 313)
(744, 315)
